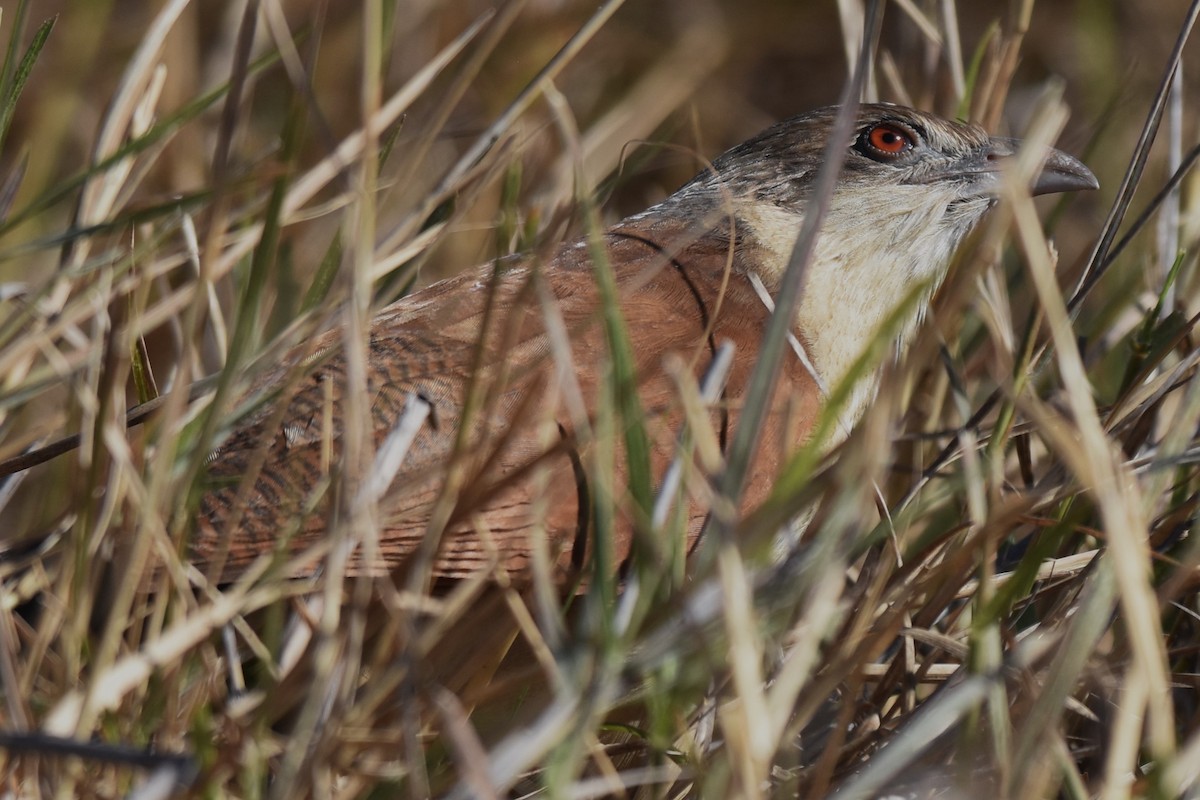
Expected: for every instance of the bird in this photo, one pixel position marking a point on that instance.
(694, 275)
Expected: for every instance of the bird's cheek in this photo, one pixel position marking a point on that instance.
(965, 212)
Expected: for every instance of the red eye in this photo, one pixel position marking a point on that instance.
(889, 139)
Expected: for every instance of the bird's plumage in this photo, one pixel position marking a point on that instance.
(426, 346)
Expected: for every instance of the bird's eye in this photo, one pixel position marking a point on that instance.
(885, 141)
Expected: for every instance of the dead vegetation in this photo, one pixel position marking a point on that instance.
(997, 596)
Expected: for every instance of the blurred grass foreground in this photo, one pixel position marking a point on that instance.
(996, 595)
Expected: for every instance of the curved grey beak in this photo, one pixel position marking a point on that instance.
(1060, 172)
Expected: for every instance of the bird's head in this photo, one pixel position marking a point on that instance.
(911, 186)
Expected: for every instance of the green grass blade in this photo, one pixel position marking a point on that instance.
(20, 77)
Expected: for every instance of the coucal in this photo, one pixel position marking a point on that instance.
(692, 272)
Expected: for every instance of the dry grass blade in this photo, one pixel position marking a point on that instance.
(988, 587)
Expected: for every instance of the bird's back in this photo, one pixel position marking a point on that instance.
(526, 461)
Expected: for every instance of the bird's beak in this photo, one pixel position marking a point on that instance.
(1060, 172)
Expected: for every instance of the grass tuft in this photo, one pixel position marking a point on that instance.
(995, 593)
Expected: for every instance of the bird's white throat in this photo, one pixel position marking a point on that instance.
(871, 256)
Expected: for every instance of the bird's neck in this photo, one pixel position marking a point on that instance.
(866, 286)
